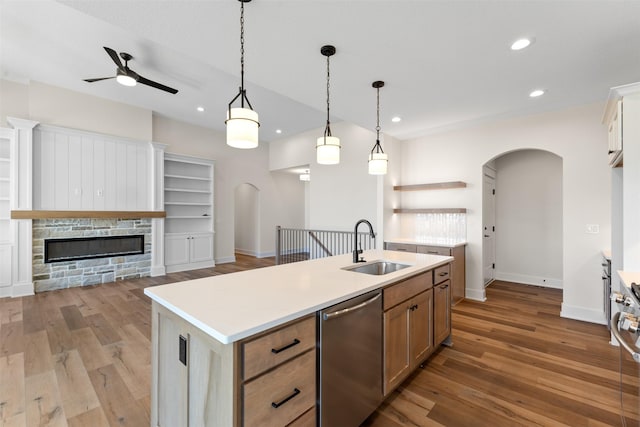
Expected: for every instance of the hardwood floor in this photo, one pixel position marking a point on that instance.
(81, 357)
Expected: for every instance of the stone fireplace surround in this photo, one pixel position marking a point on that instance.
(67, 274)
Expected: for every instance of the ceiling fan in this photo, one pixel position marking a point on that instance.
(126, 76)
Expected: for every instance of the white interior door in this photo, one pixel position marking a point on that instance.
(488, 228)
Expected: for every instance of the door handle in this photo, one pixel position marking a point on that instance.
(486, 235)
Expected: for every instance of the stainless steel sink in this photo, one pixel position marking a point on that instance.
(377, 268)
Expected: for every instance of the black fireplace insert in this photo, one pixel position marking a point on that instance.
(78, 248)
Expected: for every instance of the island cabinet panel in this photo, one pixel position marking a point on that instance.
(280, 396)
(308, 419)
(194, 377)
(408, 330)
(272, 349)
(442, 311)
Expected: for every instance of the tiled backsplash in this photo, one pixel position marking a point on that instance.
(59, 275)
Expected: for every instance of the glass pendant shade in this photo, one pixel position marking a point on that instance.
(378, 163)
(242, 128)
(328, 150)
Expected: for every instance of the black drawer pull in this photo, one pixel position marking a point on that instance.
(182, 350)
(286, 399)
(432, 252)
(296, 341)
(442, 274)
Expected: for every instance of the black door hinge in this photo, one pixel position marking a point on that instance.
(493, 266)
(493, 228)
(493, 191)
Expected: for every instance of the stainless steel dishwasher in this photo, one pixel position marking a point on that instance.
(350, 360)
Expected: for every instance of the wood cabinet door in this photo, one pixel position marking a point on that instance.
(420, 328)
(397, 362)
(441, 312)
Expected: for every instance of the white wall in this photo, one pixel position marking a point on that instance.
(529, 218)
(247, 224)
(578, 137)
(14, 101)
(233, 167)
(339, 195)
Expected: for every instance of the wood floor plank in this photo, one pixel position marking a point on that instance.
(73, 317)
(119, 406)
(91, 351)
(10, 310)
(37, 355)
(43, 402)
(132, 360)
(11, 338)
(92, 418)
(59, 336)
(78, 395)
(12, 405)
(105, 333)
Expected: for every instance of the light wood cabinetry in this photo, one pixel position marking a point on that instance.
(408, 333)
(457, 272)
(441, 311)
(266, 380)
(188, 202)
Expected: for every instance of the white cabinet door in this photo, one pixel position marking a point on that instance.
(201, 247)
(5, 267)
(176, 249)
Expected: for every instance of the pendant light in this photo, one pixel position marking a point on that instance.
(242, 123)
(328, 146)
(378, 160)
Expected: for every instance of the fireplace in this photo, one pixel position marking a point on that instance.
(69, 252)
(73, 249)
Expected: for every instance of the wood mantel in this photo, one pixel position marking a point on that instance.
(42, 214)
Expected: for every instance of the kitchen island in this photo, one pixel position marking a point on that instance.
(208, 334)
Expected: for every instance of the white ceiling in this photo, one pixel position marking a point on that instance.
(446, 64)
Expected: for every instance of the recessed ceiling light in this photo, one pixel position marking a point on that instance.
(278, 131)
(521, 44)
(201, 109)
(396, 119)
(536, 93)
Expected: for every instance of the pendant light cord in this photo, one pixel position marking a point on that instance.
(327, 130)
(242, 53)
(377, 148)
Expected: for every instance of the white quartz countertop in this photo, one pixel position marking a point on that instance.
(234, 306)
(440, 243)
(629, 277)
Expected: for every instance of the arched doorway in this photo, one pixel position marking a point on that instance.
(527, 206)
(246, 219)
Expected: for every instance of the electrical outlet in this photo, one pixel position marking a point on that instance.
(99, 192)
(593, 228)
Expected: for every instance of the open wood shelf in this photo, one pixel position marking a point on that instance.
(431, 211)
(42, 214)
(432, 186)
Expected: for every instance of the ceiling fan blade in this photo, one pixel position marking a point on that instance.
(98, 79)
(151, 83)
(114, 56)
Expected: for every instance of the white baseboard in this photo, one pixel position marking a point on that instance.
(21, 289)
(5, 291)
(475, 294)
(255, 254)
(247, 252)
(583, 314)
(159, 270)
(226, 260)
(529, 280)
(266, 254)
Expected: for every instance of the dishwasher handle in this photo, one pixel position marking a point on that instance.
(329, 316)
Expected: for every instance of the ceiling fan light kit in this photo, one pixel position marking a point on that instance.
(378, 160)
(242, 123)
(328, 146)
(126, 76)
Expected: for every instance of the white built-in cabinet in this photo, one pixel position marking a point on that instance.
(188, 202)
(78, 170)
(5, 213)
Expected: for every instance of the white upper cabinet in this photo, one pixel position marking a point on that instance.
(614, 117)
(76, 170)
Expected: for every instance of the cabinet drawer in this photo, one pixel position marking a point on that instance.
(434, 250)
(276, 347)
(441, 274)
(402, 291)
(282, 395)
(307, 420)
(404, 247)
